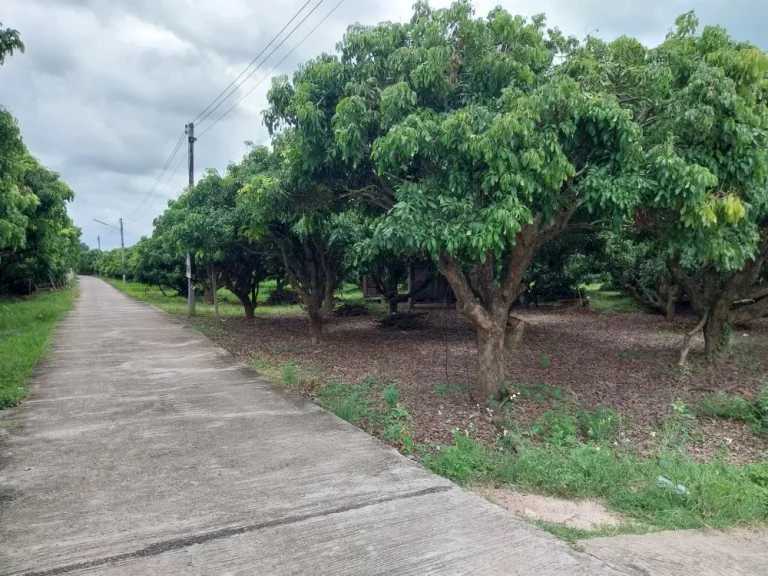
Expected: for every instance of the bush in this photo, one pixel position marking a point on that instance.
(282, 298)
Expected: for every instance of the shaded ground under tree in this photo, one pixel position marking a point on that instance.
(625, 361)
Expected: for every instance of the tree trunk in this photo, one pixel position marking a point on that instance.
(714, 331)
(490, 360)
(514, 333)
(411, 286)
(671, 306)
(392, 305)
(248, 307)
(315, 327)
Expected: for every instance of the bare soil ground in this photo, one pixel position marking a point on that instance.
(601, 359)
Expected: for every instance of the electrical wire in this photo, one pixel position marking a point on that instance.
(272, 70)
(152, 190)
(252, 72)
(168, 181)
(300, 10)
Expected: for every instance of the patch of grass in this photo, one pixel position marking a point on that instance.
(450, 389)
(627, 354)
(288, 349)
(26, 326)
(170, 303)
(718, 495)
(611, 301)
(545, 362)
(289, 374)
(377, 411)
(601, 425)
(540, 392)
(755, 413)
(573, 535)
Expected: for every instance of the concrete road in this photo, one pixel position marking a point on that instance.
(145, 449)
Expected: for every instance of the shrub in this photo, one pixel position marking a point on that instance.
(282, 298)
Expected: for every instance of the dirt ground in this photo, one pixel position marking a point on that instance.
(603, 359)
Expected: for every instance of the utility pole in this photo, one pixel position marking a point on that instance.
(122, 249)
(98, 240)
(190, 131)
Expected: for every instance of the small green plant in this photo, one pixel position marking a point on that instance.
(545, 362)
(289, 373)
(555, 428)
(390, 395)
(462, 461)
(627, 354)
(598, 426)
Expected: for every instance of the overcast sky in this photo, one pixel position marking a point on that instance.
(105, 88)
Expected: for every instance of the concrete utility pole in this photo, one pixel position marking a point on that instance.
(98, 241)
(190, 131)
(122, 249)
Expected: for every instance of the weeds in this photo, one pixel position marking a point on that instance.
(545, 362)
(718, 495)
(380, 414)
(754, 413)
(289, 373)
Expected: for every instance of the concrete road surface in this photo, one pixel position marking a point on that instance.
(145, 449)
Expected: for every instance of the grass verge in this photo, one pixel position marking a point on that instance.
(26, 326)
(666, 491)
(229, 306)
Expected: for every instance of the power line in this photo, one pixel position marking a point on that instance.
(252, 62)
(272, 70)
(252, 72)
(168, 181)
(152, 190)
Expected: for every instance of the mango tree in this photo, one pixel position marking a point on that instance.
(489, 148)
(302, 221)
(701, 100)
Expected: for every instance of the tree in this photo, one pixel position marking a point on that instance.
(700, 99)
(489, 146)
(211, 220)
(637, 263)
(302, 221)
(10, 41)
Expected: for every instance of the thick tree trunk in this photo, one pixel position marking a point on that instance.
(714, 331)
(514, 333)
(490, 360)
(392, 305)
(315, 327)
(670, 307)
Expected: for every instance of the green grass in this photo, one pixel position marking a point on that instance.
(611, 301)
(229, 305)
(755, 413)
(549, 459)
(26, 327)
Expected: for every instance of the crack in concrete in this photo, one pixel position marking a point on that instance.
(157, 548)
